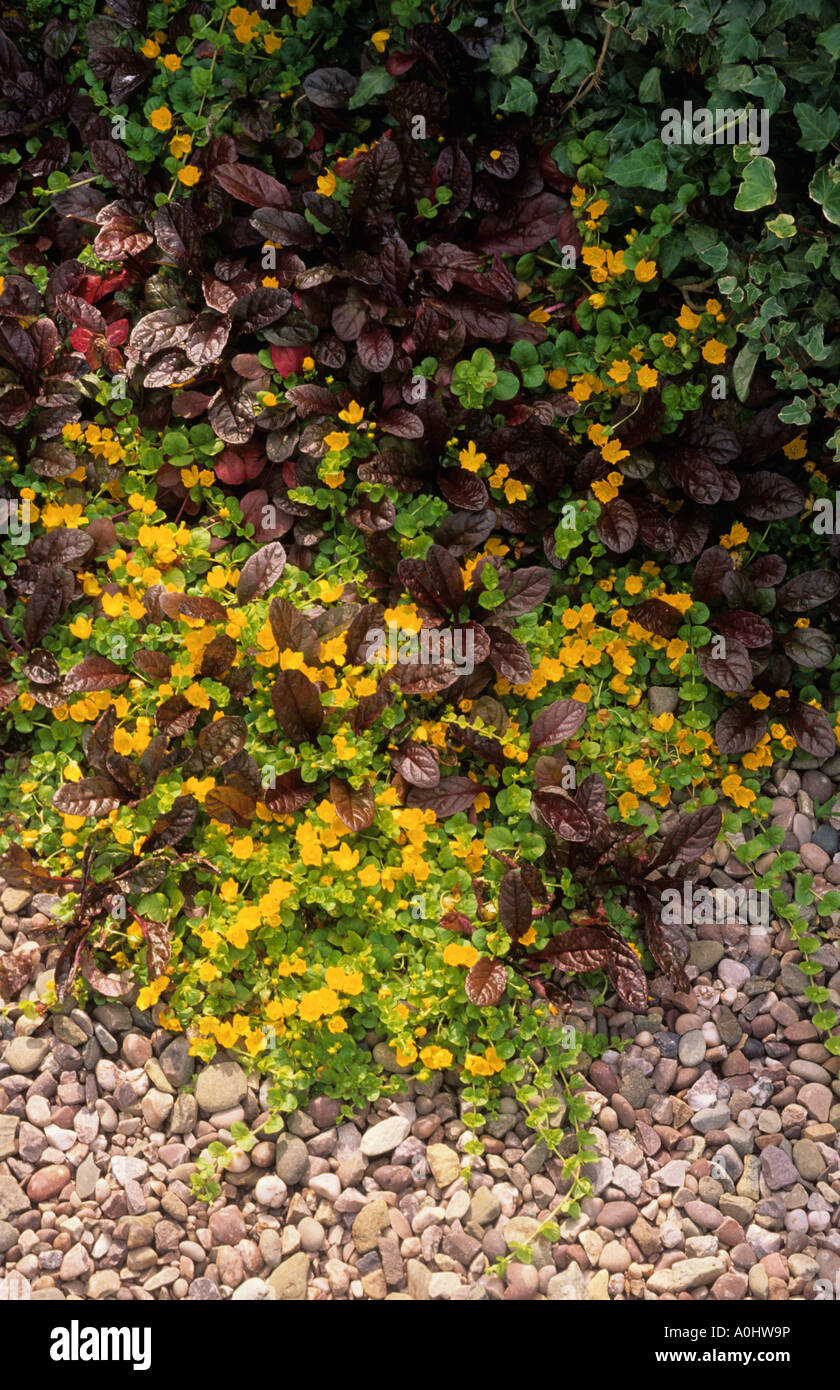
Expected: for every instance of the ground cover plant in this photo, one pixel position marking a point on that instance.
(386, 407)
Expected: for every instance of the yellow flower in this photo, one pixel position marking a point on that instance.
(272, 42)
(336, 441)
(668, 340)
(380, 39)
(81, 627)
(150, 994)
(189, 175)
(161, 118)
(172, 62)
(558, 378)
(646, 377)
(299, 7)
(436, 1058)
(471, 459)
(645, 271)
(688, 319)
(150, 49)
(112, 605)
(605, 492)
(460, 953)
(352, 414)
(733, 787)
(713, 351)
(327, 184)
(344, 981)
(737, 536)
(180, 145)
(612, 451)
(796, 449)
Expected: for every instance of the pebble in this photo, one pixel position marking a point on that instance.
(220, 1086)
(384, 1137)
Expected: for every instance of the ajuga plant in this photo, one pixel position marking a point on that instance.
(549, 938)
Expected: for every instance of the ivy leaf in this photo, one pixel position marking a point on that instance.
(818, 127)
(744, 366)
(824, 188)
(758, 185)
(641, 168)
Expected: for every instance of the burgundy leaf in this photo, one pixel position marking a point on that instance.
(416, 763)
(158, 946)
(808, 590)
(486, 982)
(447, 798)
(656, 616)
(527, 590)
(561, 720)
(176, 715)
(740, 728)
(289, 793)
(355, 807)
(710, 571)
(562, 815)
(222, 740)
(252, 186)
(297, 706)
(112, 986)
(291, 630)
(767, 571)
(260, 572)
(515, 907)
(617, 525)
(746, 627)
(591, 796)
(461, 489)
(375, 347)
(92, 796)
(170, 828)
(691, 836)
(770, 497)
(509, 657)
(732, 672)
(811, 729)
(94, 673)
(809, 647)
